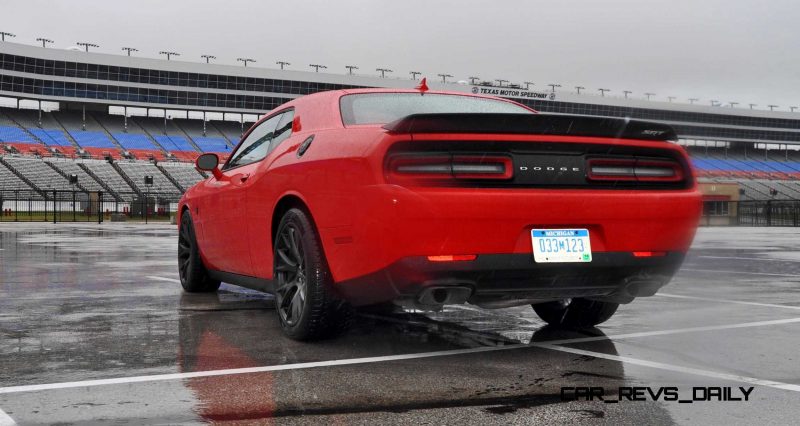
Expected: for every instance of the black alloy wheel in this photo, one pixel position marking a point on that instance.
(307, 307)
(291, 290)
(193, 274)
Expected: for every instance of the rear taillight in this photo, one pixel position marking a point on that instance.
(450, 167)
(634, 169)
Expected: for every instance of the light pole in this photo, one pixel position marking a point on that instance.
(693, 100)
(670, 98)
(208, 58)
(317, 67)
(649, 95)
(626, 93)
(282, 64)
(714, 103)
(383, 71)
(603, 91)
(772, 107)
(553, 87)
(792, 108)
(44, 41)
(579, 88)
(472, 80)
(86, 45)
(500, 81)
(130, 49)
(528, 84)
(752, 105)
(350, 68)
(245, 60)
(414, 74)
(444, 77)
(3, 35)
(733, 104)
(169, 54)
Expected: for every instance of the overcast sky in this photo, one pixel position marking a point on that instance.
(727, 50)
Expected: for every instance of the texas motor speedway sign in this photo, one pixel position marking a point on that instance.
(513, 93)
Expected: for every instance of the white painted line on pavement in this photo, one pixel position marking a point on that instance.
(749, 258)
(739, 272)
(737, 302)
(673, 331)
(211, 373)
(552, 345)
(171, 280)
(676, 368)
(5, 419)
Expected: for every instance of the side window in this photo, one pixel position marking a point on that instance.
(256, 146)
(283, 131)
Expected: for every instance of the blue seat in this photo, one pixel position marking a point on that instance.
(134, 141)
(89, 139)
(210, 144)
(15, 134)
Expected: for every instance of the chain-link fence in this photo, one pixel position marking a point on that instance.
(79, 206)
(751, 213)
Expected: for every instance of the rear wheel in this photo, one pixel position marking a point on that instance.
(307, 308)
(193, 274)
(575, 312)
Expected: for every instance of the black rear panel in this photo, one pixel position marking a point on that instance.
(547, 164)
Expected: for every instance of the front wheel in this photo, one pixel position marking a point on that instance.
(575, 312)
(307, 308)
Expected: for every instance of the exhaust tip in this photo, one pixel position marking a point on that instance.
(450, 295)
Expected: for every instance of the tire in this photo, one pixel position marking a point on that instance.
(193, 274)
(306, 306)
(575, 312)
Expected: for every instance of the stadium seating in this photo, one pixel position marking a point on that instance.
(52, 137)
(70, 167)
(90, 139)
(184, 173)
(137, 171)
(14, 134)
(39, 173)
(209, 144)
(70, 141)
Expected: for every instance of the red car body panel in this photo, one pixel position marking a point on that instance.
(367, 223)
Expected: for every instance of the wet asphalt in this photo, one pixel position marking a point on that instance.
(84, 302)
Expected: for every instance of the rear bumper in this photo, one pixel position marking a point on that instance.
(390, 224)
(498, 280)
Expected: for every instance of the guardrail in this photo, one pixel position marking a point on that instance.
(79, 206)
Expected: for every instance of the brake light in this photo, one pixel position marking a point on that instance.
(445, 166)
(634, 169)
(453, 258)
(649, 253)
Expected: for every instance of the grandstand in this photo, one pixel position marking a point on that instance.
(84, 134)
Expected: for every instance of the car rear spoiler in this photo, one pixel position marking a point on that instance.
(533, 124)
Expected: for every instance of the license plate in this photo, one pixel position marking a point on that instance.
(561, 245)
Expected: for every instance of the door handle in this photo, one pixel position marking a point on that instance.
(243, 177)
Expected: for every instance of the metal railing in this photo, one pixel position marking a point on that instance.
(751, 213)
(79, 206)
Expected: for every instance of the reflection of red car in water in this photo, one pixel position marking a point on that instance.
(362, 197)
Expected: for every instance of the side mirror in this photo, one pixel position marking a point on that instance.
(209, 163)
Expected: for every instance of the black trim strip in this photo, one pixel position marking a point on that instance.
(254, 283)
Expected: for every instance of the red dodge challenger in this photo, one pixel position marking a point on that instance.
(423, 199)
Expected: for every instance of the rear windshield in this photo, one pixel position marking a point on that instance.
(381, 108)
